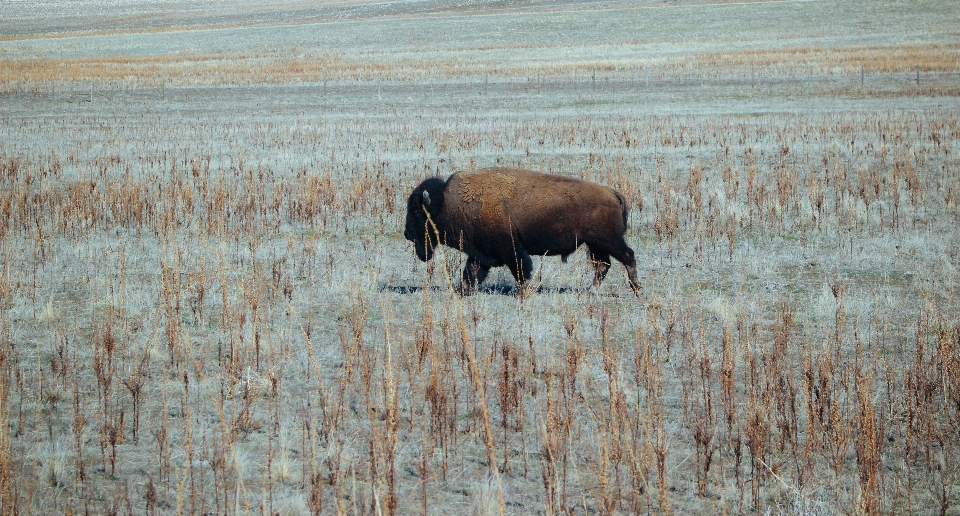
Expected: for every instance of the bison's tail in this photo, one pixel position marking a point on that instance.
(623, 207)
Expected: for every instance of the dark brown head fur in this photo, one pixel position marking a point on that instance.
(427, 198)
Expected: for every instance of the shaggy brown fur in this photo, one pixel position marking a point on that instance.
(502, 216)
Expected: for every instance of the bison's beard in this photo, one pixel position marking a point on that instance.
(423, 243)
(424, 248)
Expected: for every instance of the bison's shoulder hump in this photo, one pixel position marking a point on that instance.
(486, 186)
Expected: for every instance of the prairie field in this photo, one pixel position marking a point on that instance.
(207, 305)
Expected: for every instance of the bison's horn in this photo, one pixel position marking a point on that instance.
(426, 197)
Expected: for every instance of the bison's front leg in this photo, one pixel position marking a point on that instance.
(521, 266)
(473, 275)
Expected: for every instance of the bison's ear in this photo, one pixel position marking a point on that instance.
(426, 198)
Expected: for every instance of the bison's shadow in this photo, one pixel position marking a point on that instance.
(408, 289)
(504, 289)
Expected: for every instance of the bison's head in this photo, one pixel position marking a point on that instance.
(426, 198)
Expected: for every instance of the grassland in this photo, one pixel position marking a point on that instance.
(207, 305)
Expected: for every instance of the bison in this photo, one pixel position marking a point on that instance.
(502, 216)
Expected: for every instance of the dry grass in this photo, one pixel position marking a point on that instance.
(930, 57)
(298, 67)
(211, 309)
(188, 354)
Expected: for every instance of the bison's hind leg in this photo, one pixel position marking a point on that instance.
(622, 252)
(601, 263)
(629, 261)
(473, 275)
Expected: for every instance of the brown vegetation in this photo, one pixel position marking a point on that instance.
(207, 306)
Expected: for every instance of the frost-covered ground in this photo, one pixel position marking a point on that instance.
(208, 305)
(33, 17)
